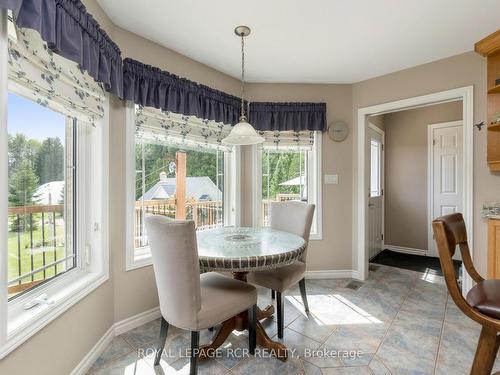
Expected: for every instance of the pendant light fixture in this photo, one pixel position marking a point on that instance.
(242, 134)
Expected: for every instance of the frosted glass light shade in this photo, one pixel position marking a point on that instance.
(243, 134)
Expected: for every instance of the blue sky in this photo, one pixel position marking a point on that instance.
(33, 120)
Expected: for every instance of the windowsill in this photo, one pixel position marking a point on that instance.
(142, 258)
(23, 324)
(315, 237)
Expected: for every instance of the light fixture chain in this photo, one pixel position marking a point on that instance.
(242, 75)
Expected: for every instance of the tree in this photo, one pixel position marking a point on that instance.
(50, 161)
(23, 183)
(21, 148)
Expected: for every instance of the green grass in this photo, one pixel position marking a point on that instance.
(24, 239)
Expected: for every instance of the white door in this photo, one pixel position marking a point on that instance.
(446, 172)
(375, 154)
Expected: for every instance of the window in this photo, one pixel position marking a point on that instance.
(288, 168)
(284, 178)
(41, 194)
(375, 168)
(177, 168)
(156, 183)
(53, 185)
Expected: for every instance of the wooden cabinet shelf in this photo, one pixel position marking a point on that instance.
(494, 90)
(489, 47)
(494, 166)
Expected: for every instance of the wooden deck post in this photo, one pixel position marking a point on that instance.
(180, 185)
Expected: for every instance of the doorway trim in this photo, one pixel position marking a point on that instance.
(464, 94)
(430, 177)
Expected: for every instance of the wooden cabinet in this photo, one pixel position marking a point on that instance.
(493, 249)
(490, 48)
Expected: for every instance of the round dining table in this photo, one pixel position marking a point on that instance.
(239, 250)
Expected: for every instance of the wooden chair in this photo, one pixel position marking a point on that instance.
(189, 300)
(482, 303)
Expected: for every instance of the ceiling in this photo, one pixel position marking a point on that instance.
(316, 41)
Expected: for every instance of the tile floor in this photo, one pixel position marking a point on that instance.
(398, 322)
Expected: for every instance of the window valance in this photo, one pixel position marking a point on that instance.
(73, 33)
(164, 127)
(51, 80)
(149, 86)
(296, 117)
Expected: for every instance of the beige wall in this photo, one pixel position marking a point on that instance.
(68, 339)
(334, 250)
(406, 172)
(468, 69)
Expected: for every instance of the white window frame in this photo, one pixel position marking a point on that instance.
(16, 324)
(232, 202)
(313, 182)
(379, 144)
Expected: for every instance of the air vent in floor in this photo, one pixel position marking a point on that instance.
(355, 285)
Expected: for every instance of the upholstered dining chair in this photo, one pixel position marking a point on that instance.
(293, 217)
(188, 300)
(482, 303)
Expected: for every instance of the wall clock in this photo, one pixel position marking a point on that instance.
(338, 131)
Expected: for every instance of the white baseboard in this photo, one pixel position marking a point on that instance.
(94, 353)
(407, 250)
(115, 330)
(332, 274)
(136, 321)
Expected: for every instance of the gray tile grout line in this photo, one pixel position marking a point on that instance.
(441, 334)
(390, 325)
(109, 362)
(399, 310)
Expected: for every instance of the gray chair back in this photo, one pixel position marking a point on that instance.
(293, 217)
(176, 267)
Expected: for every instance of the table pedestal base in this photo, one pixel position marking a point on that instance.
(240, 323)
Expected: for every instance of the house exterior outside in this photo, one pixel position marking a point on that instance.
(197, 188)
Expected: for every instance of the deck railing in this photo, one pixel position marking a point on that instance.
(43, 261)
(206, 215)
(33, 245)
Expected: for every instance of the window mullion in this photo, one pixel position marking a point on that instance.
(3, 173)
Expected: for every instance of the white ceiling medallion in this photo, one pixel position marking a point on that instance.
(242, 134)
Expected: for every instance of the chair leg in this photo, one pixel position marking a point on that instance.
(279, 297)
(302, 286)
(252, 329)
(161, 341)
(195, 344)
(486, 352)
(273, 294)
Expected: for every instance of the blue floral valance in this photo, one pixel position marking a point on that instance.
(73, 33)
(149, 86)
(294, 117)
(37, 73)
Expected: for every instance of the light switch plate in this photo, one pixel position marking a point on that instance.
(331, 179)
